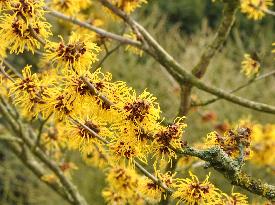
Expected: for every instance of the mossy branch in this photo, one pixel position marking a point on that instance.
(230, 168)
(221, 36)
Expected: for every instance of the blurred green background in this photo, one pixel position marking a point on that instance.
(183, 28)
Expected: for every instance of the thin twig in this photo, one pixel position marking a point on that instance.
(108, 54)
(212, 100)
(19, 130)
(12, 68)
(2, 69)
(11, 139)
(40, 130)
(97, 30)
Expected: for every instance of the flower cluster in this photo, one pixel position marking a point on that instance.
(128, 5)
(250, 66)
(262, 144)
(20, 20)
(70, 7)
(192, 191)
(255, 9)
(235, 142)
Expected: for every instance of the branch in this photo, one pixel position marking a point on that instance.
(221, 36)
(18, 130)
(13, 69)
(221, 162)
(108, 54)
(178, 72)
(38, 170)
(200, 69)
(41, 129)
(210, 101)
(97, 30)
(139, 166)
(2, 70)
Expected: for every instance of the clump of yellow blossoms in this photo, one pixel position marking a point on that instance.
(169, 138)
(192, 191)
(235, 199)
(70, 7)
(250, 66)
(128, 5)
(235, 142)
(28, 91)
(151, 191)
(255, 9)
(123, 183)
(77, 55)
(263, 142)
(20, 20)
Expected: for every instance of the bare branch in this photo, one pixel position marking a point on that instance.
(19, 130)
(97, 30)
(38, 170)
(215, 99)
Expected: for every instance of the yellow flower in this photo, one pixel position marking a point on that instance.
(75, 84)
(49, 178)
(4, 4)
(122, 187)
(84, 4)
(52, 138)
(28, 91)
(122, 179)
(255, 9)
(78, 137)
(58, 102)
(250, 66)
(235, 199)
(143, 110)
(167, 137)
(5, 84)
(95, 155)
(70, 7)
(3, 53)
(192, 191)
(273, 51)
(89, 98)
(112, 197)
(17, 36)
(262, 144)
(128, 5)
(77, 55)
(151, 191)
(133, 49)
(231, 140)
(31, 10)
(127, 149)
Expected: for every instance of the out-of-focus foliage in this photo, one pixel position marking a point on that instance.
(190, 13)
